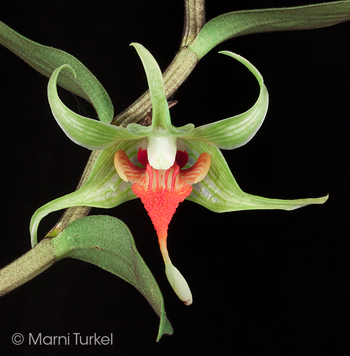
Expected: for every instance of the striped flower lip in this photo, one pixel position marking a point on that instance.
(162, 164)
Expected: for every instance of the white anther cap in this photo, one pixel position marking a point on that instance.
(161, 151)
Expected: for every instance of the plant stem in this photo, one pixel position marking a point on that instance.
(194, 20)
(28, 266)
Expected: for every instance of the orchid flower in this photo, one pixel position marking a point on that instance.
(162, 164)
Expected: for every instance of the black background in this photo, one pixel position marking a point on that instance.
(264, 282)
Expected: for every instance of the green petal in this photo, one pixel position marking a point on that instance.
(45, 59)
(220, 192)
(107, 242)
(238, 23)
(103, 189)
(91, 134)
(139, 130)
(237, 130)
(180, 131)
(160, 109)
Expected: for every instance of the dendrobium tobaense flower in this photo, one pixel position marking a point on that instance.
(162, 164)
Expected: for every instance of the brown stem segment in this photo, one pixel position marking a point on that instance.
(28, 266)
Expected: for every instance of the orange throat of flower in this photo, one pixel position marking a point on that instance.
(161, 191)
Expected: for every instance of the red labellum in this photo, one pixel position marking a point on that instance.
(161, 191)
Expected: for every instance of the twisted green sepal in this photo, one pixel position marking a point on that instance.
(237, 130)
(46, 59)
(220, 192)
(239, 23)
(89, 133)
(107, 243)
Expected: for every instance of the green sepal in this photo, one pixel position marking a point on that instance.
(239, 23)
(160, 109)
(103, 189)
(108, 243)
(89, 133)
(220, 192)
(46, 59)
(237, 130)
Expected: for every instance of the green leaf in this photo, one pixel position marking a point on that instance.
(241, 23)
(46, 59)
(89, 133)
(237, 130)
(220, 192)
(107, 243)
(103, 189)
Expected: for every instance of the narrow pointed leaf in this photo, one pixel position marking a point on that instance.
(160, 109)
(220, 192)
(89, 133)
(241, 23)
(103, 189)
(107, 243)
(46, 59)
(237, 130)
